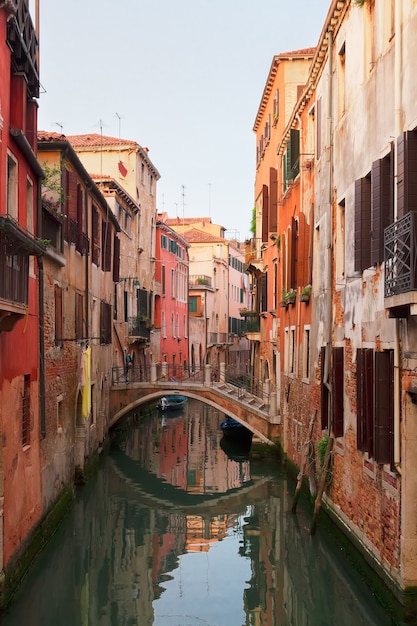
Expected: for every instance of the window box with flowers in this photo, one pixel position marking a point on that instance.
(288, 297)
(305, 293)
(247, 313)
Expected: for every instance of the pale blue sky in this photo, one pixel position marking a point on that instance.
(181, 77)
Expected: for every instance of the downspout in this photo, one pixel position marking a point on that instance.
(42, 385)
(87, 265)
(398, 128)
(41, 305)
(329, 231)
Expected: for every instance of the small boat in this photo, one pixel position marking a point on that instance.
(233, 429)
(171, 403)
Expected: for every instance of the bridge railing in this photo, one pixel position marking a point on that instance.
(178, 375)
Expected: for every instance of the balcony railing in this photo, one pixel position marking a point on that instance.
(139, 329)
(219, 338)
(198, 281)
(21, 37)
(400, 256)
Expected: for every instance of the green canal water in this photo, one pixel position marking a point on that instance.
(179, 529)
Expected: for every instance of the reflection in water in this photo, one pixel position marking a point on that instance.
(177, 529)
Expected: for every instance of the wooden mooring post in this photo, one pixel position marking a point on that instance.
(322, 484)
(304, 462)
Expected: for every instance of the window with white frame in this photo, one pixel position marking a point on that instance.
(306, 352)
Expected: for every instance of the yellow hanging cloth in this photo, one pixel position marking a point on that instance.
(86, 393)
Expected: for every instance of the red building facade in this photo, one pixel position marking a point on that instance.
(171, 305)
(21, 390)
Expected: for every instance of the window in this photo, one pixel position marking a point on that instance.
(12, 183)
(26, 411)
(362, 223)
(125, 306)
(406, 168)
(95, 226)
(172, 283)
(340, 242)
(375, 404)
(106, 246)
(164, 325)
(105, 322)
(341, 80)
(79, 316)
(58, 315)
(332, 377)
(163, 280)
(291, 159)
(382, 204)
(164, 242)
(192, 304)
(276, 105)
(306, 352)
(29, 205)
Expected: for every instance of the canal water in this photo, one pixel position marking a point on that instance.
(179, 529)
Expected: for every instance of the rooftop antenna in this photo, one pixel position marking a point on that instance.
(120, 124)
(183, 205)
(61, 126)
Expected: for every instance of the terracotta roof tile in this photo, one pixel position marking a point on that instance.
(193, 235)
(96, 140)
(43, 135)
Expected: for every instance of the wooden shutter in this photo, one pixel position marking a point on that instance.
(362, 223)
(106, 246)
(293, 253)
(116, 259)
(338, 391)
(264, 213)
(384, 406)
(273, 200)
(72, 196)
(382, 203)
(95, 227)
(360, 403)
(324, 392)
(406, 173)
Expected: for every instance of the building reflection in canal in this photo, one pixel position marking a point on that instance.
(174, 530)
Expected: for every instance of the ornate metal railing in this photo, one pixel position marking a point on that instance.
(400, 256)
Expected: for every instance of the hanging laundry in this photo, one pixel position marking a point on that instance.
(86, 392)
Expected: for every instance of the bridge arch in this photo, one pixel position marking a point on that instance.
(208, 397)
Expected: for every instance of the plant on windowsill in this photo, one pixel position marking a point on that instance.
(305, 293)
(247, 313)
(288, 297)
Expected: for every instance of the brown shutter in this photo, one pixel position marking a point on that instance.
(273, 200)
(293, 254)
(72, 196)
(324, 392)
(116, 260)
(360, 408)
(406, 173)
(369, 400)
(338, 391)
(362, 223)
(384, 407)
(106, 236)
(264, 213)
(382, 206)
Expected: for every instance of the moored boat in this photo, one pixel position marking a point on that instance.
(171, 403)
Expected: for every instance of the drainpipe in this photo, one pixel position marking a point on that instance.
(398, 129)
(87, 265)
(42, 386)
(329, 230)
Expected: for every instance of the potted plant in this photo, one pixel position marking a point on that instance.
(244, 312)
(305, 293)
(284, 302)
(290, 297)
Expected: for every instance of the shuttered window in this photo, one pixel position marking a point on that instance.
(338, 391)
(324, 391)
(95, 226)
(105, 322)
(362, 223)
(106, 246)
(79, 316)
(375, 404)
(382, 209)
(365, 400)
(265, 204)
(273, 199)
(406, 173)
(384, 407)
(116, 259)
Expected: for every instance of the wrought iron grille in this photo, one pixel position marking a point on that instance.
(400, 255)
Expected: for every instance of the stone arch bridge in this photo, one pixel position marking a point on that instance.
(260, 415)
